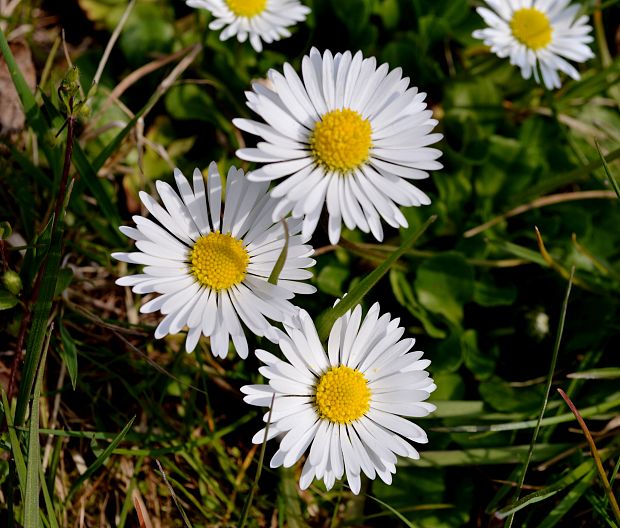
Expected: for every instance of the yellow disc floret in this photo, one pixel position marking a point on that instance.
(342, 395)
(218, 261)
(247, 8)
(531, 27)
(341, 140)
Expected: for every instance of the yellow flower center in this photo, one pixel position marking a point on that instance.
(341, 140)
(531, 27)
(219, 261)
(247, 8)
(342, 395)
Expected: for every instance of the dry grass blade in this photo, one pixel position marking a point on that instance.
(552, 199)
(595, 454)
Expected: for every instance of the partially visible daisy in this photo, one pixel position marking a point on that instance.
(351, 134)
(346, 404)
(537, 34)
(254, 19)
(210, 263)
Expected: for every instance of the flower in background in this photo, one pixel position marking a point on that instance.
(254, 19)
(346, 405)
(537, 34)
(351, 134)
(211, 266)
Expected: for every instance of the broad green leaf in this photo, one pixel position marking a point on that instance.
(401, 287)
(501, 396)
(480, 362)
(331, 278)
(65, 276)
(444, 283)
(488, 293)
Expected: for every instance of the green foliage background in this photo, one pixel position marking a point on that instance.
(483, 301)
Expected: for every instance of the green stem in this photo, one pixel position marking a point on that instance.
(554, 358)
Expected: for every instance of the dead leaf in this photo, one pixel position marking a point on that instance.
(12, 118)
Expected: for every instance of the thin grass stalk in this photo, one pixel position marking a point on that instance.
(595, 454)
(554, 358)
(42, 303)
(261, 458)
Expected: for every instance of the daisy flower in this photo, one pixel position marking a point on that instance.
(537, 34)
(268, 20)
(210, 262)
(346, 405)
(350, 134)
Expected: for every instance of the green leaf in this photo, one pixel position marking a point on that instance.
(99, 461)
(488, 293)
(501, 396)
(481, 363)
(7, 300)
(18, 455)
(331, 278)
(68, 352)
(573, 495)
(65, 276)
(31, 498)
(404, 295)
(444, 283)
(327, 319)
(355, 14)
(147, 32)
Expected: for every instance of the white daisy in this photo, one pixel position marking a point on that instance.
(351, 134)
(257, 19)
(346, 405)
(537, 34)
(211, 266)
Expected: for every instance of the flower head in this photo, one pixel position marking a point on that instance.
(211, 263)
(351, 135)
(537, 34)
(347, 404)
(268, 20)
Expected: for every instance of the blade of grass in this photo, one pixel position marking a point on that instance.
(277, 268)
(573, 495)
(580, 472)
(33, 113)
(594, 410)
(327, 319)
(111, 147)
(173, 495)
(20, 463)
(261, 458)
(49, 505)
(393, 510)
(99, 461)
(480, 456)
(595, 454)
(610, 176)
(31, 500)
(554, 358)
